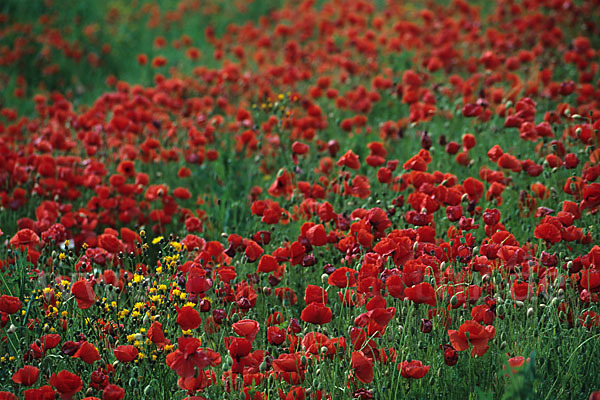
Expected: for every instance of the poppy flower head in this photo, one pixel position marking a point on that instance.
(66, 383)
(413, 369)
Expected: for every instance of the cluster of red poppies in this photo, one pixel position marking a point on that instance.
(377, 159)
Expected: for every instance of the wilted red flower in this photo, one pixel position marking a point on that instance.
(26, 376)
(66, 383)
(413, 369)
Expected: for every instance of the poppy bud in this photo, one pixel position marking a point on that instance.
(454, 300)
(263, 367)
(426, 325)
(324, 278)
(148, 390)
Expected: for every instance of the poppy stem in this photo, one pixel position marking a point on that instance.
(566, 362)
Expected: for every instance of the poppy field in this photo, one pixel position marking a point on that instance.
(300, 199)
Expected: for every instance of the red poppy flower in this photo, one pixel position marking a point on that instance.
(253, 250)
(43, 393)
(349, 160)
(188, 357)
(317, 235)
(315, 294)
(362, 366)
(421, 293)
(290, 367)
(548, 232)
(300, 148)
(113, 392)
(450, 355)
(25, 238)
(316, 313)
(247, 328)
(521, 290)
(343, 277)
(188, 318)
(276, 335)
(110, 243)
(8, 396)
(87, 352)
(415, 163)
(395, 286)
(84, 293)
(295, 393)
(66, 383)
(239, 350)
(516, 362)
(413, 369)
(49, 341)
(26, 376)
(9, 304)
(478, 337)
(156, 334)
(126, 353)
(267, 264)
(473, 188)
